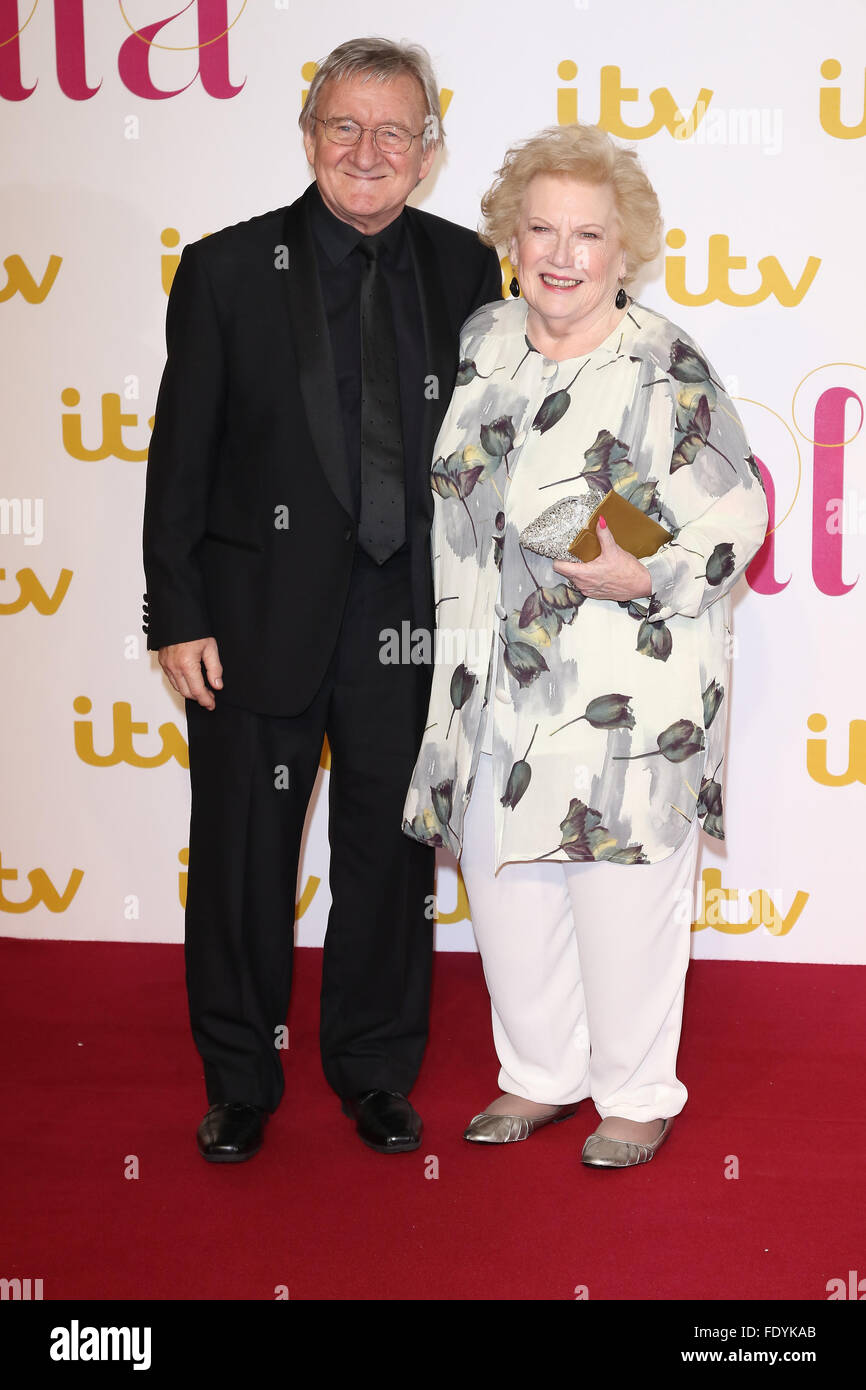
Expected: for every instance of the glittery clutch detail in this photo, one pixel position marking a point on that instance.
(566, 530)
(552, 533)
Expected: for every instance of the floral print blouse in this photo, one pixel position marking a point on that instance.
(606, 719)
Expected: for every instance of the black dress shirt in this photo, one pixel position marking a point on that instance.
(341, 269)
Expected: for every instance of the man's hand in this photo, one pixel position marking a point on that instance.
(615, 573)
(182, 664)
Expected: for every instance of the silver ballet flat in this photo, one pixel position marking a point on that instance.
(601, 1152)
(510, 1129)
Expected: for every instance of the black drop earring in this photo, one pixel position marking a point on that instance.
(621, 298)
(514, 287)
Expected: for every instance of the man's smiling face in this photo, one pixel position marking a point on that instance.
(360, 184)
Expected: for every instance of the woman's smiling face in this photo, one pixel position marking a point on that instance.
(566, 251)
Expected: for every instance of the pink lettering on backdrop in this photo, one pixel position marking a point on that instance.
(760, 574)
(69, 41)
(828, 484)
(213, 58)
(11, 86)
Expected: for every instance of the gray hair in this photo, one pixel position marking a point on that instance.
(383, 60)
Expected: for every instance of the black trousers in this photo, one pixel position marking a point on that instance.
(252, 777)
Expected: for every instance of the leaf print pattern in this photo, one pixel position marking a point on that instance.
(688, 365)
(554, 606)
(709, 807)
(696, 399)
(442, 799)
(607, 465)
(678, 742)
(540, 619)
(463, 682)
(633, 608)
(552, 648)
(497, 439)
(712, 698)
(605, 712)
(431, 826)
(720, 565)
(645, 496)
(535, 626)
(584, 838)
(529, 349)
(425, 828)
(554, 406)
(655, 640)
(524, 662)
(467, 372)
(755, 471)
(695, 432)
(692, 435)
(457, 475)
(518, 778)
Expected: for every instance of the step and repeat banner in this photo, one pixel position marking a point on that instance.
(130, 129)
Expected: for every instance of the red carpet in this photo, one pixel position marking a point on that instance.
(99, 1066)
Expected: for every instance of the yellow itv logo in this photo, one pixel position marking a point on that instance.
(763, 909)
(114, 421)
(816, 754)
(720, 263)
(124, 731)
(20, 280)
(31, 591)
(42, 890)
(830, 105)
(666, 113)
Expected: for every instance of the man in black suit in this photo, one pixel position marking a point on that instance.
(311, 355)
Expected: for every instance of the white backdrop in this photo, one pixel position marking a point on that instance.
(116, 152)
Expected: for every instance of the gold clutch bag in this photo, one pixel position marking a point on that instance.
(566, 530)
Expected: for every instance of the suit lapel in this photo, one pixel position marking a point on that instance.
(316, 375)
(440, 335)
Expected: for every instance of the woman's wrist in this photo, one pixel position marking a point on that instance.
(647, 587)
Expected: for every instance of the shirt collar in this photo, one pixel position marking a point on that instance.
(338, 239)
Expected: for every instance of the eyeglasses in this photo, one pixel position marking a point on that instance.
(390, 139)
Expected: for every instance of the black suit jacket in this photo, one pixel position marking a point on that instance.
(249, 534)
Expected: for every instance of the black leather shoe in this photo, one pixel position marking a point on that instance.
(385, 1121)
(231, 1132)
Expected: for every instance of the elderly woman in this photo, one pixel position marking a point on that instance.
(575, 740)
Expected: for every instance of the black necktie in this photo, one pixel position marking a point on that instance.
(382, 526)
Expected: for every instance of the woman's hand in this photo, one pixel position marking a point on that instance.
(614, 574)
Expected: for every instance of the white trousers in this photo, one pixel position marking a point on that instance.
(586, 967)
